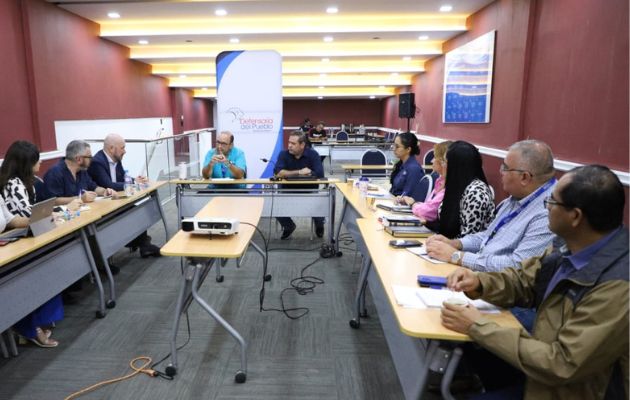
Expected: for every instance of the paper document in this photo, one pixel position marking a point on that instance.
(406, 297)
(422, 253)
(435, 297)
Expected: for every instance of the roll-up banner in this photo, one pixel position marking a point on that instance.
(249, 104)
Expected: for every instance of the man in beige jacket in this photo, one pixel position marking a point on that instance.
(579, 346)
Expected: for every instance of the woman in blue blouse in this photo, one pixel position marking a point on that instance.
(407, 171)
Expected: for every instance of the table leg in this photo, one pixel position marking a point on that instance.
(266, 277)
(111, 302)
(159, 206)
(344, 207)
(331, 214)
(100, 313)
(359, 298)
(184, 287)
(445, 387)
(241, 375)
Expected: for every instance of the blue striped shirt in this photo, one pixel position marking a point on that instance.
(527, 235)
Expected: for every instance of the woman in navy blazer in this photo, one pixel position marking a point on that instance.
(407, 171)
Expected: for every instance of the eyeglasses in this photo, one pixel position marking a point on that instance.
(549, 201)
(222, 143)
(86, 156)
(505, 168)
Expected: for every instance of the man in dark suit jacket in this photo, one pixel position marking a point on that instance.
(107, 171)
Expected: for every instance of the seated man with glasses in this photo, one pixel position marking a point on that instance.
(225, 161)
(69, 181)
(520, 229)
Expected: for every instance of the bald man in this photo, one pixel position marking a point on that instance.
(107, 171)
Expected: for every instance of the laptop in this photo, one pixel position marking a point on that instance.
(41, 221)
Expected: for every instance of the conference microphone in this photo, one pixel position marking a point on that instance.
(273, 163)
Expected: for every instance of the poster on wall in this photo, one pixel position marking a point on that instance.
(249, 104)
(468, 81)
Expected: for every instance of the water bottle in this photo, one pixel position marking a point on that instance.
(128, 184)
(363, 185)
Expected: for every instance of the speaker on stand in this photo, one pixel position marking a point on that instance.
(406, 107)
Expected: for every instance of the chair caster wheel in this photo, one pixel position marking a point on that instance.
(110, 304)
(339, 254)
(220, 278)
(240, 377)
(100, 314)
(354, 323)
(267, 278)
(170, 370)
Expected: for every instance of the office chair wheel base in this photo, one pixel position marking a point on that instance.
(354, 323)
(267, 277)
(110, 304)
(220, 278)
(100, 314)
(170, 370)
(240, 377)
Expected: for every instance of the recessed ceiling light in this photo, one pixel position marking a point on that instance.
(372, 97)
(322, 87)
(322, 75)
(423, 37)
(188, 41)
(381, 87)
(143, 41)
(219, 12)
(328, 39)
(394, 74)
(113, 15)
(320, 97)
(234, 40)
(182, 76)
(406, 58)
(446, 8)
(204, 88)
(325, 59)
(332, 10)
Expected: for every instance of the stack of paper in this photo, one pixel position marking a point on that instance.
(422, 253)
(435, 298)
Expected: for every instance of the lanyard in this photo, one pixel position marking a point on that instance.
(505, 220)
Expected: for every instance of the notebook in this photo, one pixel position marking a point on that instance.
(409, 231)
(41, 221)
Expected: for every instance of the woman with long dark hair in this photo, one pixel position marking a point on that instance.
(405, 178)
(468, 205)
(17, 185)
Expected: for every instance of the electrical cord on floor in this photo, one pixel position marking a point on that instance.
(161, 360)
(142, 369)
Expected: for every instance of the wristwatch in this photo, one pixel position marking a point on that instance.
(230, 163)
(456, 257)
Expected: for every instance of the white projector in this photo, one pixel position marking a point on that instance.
(210, 226)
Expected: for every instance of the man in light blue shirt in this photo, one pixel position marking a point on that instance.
(520, 229)
(225, 161)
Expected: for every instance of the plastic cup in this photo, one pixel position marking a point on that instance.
(456, 301)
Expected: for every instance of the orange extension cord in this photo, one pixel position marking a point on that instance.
(136, 370)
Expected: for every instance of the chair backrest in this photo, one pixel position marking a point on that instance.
(342, 136)
(426, 186)
(428, 157)
(374, 157)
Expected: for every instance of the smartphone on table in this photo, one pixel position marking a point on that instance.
(401, 244)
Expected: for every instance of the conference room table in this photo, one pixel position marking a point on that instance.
(35, 269)
(192, 195)
(412, 334)
(350, 151)
(202, 252)
(367, 170)
(120, 221)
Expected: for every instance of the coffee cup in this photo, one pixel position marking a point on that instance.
(456, 301)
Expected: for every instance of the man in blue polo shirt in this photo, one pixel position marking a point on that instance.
(225, 161)
(304, 161)
(69, 181)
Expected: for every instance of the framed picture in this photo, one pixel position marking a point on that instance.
(468, 81)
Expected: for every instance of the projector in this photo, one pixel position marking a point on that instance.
(210, 226)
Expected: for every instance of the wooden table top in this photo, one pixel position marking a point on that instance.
(262, 181)
(360, 204)
(359, 166)
(401, 267)
(244, 209)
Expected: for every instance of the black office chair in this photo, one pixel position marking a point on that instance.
(342, 136)
(428, 158)
(374, 157)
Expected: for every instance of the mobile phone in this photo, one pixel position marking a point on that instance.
(399, 243)
(435, 282)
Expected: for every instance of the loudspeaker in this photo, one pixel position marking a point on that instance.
(406, 105)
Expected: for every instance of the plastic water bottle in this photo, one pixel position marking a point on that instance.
(363, 186)
(128, 184)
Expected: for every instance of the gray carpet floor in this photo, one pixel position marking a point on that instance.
(315, 357)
